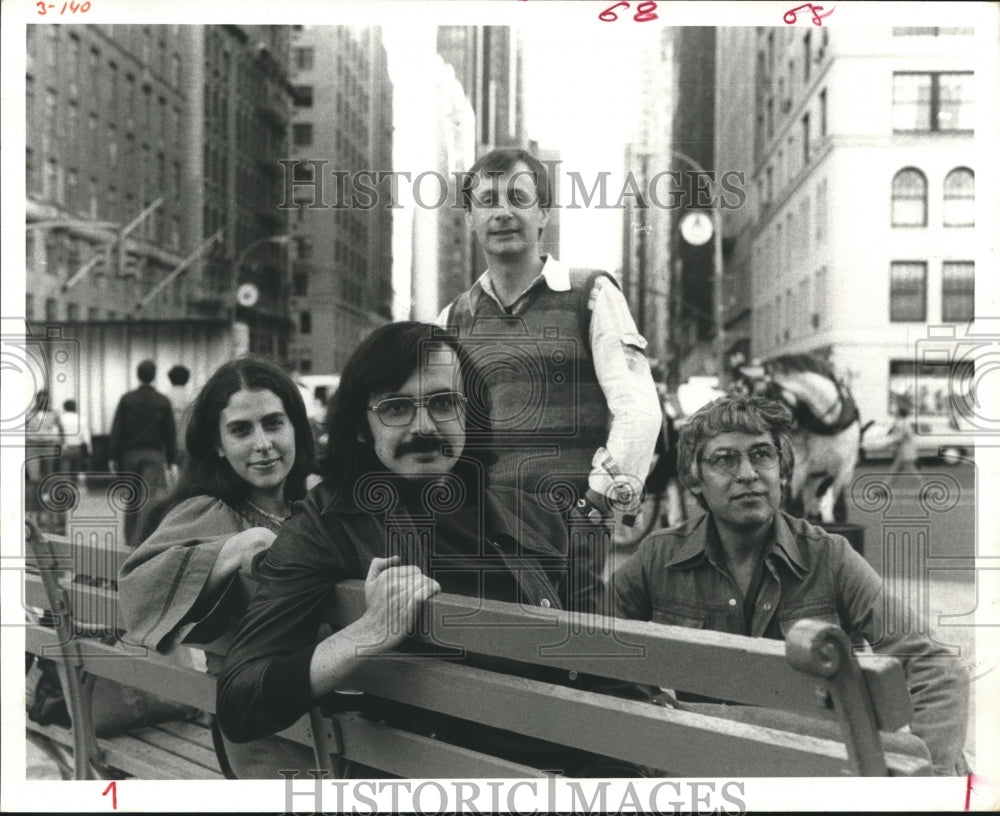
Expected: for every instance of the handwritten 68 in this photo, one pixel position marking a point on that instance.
(644, 12)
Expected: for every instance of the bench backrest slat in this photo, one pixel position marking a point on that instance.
(746, 670)
(684, 742)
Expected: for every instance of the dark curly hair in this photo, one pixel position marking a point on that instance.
(751, 415)
(206, 473)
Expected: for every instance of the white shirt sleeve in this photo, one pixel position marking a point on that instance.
(619, 354)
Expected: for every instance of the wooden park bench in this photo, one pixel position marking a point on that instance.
(829, 712)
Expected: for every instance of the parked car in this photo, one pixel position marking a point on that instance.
(937, 437)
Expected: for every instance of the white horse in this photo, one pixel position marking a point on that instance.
(826, 435)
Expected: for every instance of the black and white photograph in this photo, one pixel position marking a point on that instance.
(500, 405)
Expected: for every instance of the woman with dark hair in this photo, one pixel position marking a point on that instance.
(250, 448)
(249, 451)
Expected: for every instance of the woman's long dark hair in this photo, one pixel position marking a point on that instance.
(382, 362)
(206, 473)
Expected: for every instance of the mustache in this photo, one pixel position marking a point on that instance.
(424, 443)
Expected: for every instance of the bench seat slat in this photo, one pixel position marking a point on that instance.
(159, 737)
(136, 753)
(190, 731)
(133, 754)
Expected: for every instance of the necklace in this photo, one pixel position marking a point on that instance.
(273, 516)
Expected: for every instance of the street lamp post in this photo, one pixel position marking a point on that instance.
(241, 331)
(717, 269)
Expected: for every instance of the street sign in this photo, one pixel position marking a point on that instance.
(696, 228)
(247, 295)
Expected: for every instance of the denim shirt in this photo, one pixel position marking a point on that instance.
(678, 577)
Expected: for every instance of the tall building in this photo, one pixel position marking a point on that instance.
(646, 267)
(342, 126)
(246, 106)
(152, 167)
(109, 136)
(489, 63)
(692, 133)
(442, 242)
(858, 233)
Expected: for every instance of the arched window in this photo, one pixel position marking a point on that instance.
(960, 198)
(909, 198)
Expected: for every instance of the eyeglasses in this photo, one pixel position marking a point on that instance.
(761, 457)
(395, 412)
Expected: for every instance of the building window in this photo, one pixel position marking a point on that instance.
(805, 139)
(822, 112)
(50, 184)
(303, 172)
(72, 311)
(960, 198)
(932, 101)
(305, 365)
(304, 57)
(908, 291)
(51, 309)
(958, 290)
(909, 198)
(304, 247)
(305, 322)
(303, 96)
(300, 283)
(302, 134)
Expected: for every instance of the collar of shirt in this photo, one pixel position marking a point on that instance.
(703, 543)
(553, 274)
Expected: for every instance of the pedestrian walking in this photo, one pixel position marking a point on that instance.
(143, 441)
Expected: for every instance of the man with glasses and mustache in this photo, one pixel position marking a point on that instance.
(747, 568)
(406, 505)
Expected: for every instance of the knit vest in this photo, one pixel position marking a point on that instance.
(549, 413)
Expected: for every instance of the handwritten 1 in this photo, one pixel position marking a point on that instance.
(645, 12)
(817, 18)
(113, 787)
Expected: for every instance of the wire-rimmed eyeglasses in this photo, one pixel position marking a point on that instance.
(760, 457)
(395, 412)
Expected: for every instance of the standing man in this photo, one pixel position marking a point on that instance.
(573, 398)
(143, 441)
(747, 568)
